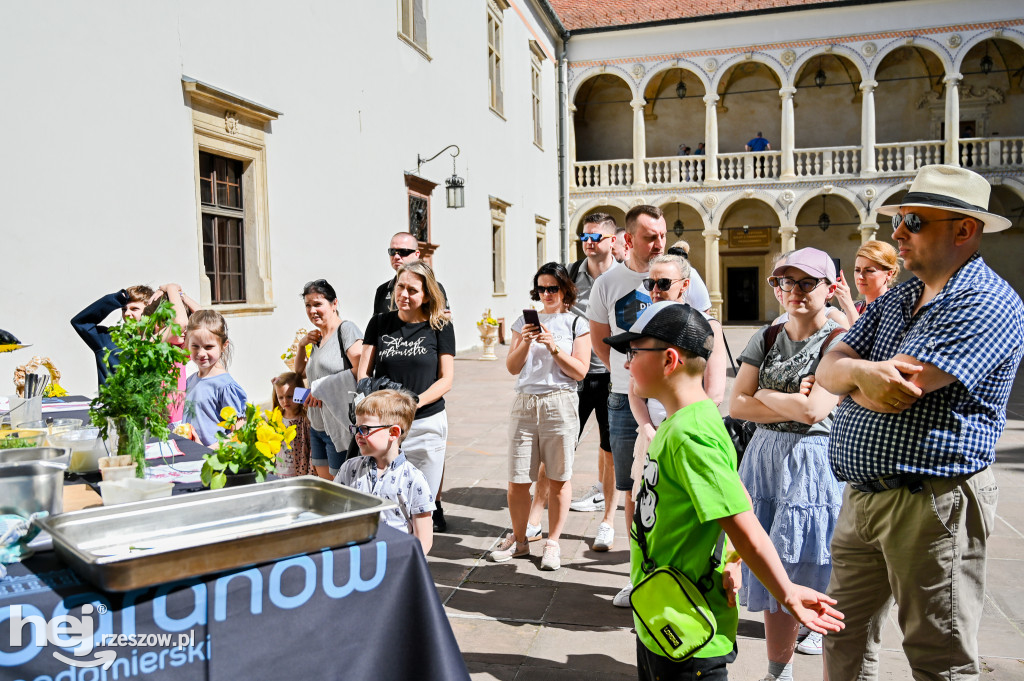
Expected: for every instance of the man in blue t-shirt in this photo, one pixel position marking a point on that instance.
(759, 143)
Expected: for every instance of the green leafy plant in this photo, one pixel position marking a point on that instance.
(138, 393)
(249, 443)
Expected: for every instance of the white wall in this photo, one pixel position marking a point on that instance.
(97, 185)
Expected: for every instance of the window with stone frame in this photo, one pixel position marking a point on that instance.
(542, 239)
(221, 195)
(499, 217)
(536, 84)
(412, 23)
(495, 62)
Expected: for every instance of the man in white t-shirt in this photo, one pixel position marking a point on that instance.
(616, 301)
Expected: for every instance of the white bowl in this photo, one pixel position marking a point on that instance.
(133, 489)
(86, 448)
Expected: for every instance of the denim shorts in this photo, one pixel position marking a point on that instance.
(322, 451)
(622, 430)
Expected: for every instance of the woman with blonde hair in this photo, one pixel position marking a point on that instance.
(414, 345)
(874, 272)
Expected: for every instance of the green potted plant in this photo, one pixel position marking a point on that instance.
(137, 395)
(247, 448)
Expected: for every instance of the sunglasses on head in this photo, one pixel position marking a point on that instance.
(547, 289)
(366, 430)
(404, 252)
(596, 238)
(663, 284)
(787, 284)
(913, 222)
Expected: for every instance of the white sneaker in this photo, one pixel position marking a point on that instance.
(508, 549)
(802, 633)
(810, 645)
(532, 532)
(605, 537)
(552, 556)
(592, 500)
(621, 599)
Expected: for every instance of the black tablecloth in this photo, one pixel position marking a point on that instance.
(363, 612)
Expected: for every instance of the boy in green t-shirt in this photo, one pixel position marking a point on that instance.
(691, 493)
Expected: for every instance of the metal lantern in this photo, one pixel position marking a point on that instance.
(677, 228)
(819, 77)
(681, 88)
(455, 190)
(824, 221)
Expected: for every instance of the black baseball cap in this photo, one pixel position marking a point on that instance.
(675, 323)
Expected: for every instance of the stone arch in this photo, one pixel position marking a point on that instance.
(930, 44)
(1013, 184)
(687, 65)
(590, 204)
(685, 200)
(1003, 33)
(602, 70)
(883, 196)
(851, 197)
(772, 62)
(755, 195)
(838, 50)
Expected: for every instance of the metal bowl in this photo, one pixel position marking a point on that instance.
(55, 455)
(25, 489)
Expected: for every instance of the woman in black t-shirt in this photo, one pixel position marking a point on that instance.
(415, 345)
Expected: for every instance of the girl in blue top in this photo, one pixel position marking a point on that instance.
(211, 388)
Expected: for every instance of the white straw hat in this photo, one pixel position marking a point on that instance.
(954, 189)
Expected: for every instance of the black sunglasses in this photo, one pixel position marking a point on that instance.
(914, 223)
(404, 252)
(366, 430)
(596, 238)
(663, 284)
(547, 289)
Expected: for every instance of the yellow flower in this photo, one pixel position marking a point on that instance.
(289, 435)
(268, 440)
(309, 350)
(227, 413)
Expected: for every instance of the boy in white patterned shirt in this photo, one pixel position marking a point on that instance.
(382, 422)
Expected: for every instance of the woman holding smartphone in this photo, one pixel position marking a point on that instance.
(550, 352)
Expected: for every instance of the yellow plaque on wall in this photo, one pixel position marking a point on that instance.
(757, 237)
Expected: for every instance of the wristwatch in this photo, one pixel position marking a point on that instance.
(555, 351)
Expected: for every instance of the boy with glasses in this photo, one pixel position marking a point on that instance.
(403, 249)
(382, 423)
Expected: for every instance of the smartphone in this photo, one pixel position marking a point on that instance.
(530, 316)
(838, 268)
(300, 395)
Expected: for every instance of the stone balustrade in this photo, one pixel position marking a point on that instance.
(674, 170)
(827, 162)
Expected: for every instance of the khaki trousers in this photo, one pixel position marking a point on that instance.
(928, 551)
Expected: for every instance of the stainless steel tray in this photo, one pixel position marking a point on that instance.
(138, 545)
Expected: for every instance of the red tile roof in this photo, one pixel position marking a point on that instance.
(578, 14)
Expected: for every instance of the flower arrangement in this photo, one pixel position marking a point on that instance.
(250, 445)
(54, 390)
(288, 356)
(487, 320)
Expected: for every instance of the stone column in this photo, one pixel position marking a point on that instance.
(639, 144)
(788, 235)
(787, 132)
(952, 82)
(867, 127)
(868, 232)
(713, 268)
(711, 139)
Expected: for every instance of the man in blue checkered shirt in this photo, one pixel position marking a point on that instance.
(928, 368)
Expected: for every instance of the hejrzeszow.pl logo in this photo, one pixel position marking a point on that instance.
(78, 635)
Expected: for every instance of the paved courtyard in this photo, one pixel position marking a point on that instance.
(514, 621)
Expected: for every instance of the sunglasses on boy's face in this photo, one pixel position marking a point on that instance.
(914, 222)
(547, 289)
(787, 284)
(663, 284)
(596, 238)
(404, 252)
(365, 431)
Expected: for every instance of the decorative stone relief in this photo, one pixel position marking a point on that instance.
(710, 201)
(748, 193)
(910, 40)
(638, 71)
(954, 40)
(870, 193)
(748, 55)
(710, 65)
(788, 57)
(787, 197)
(231, 122)
(571, 207)
(827, 189)
(638, 201)
(869, 49)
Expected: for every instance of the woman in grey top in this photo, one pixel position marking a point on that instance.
(337, 346)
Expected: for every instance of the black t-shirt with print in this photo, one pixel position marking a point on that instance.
(410, 353)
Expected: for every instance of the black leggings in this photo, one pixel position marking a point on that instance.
(593, 394)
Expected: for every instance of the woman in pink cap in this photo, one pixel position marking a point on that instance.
(785, 467)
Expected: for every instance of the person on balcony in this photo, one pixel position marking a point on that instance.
(683, 150)
(759, 143)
